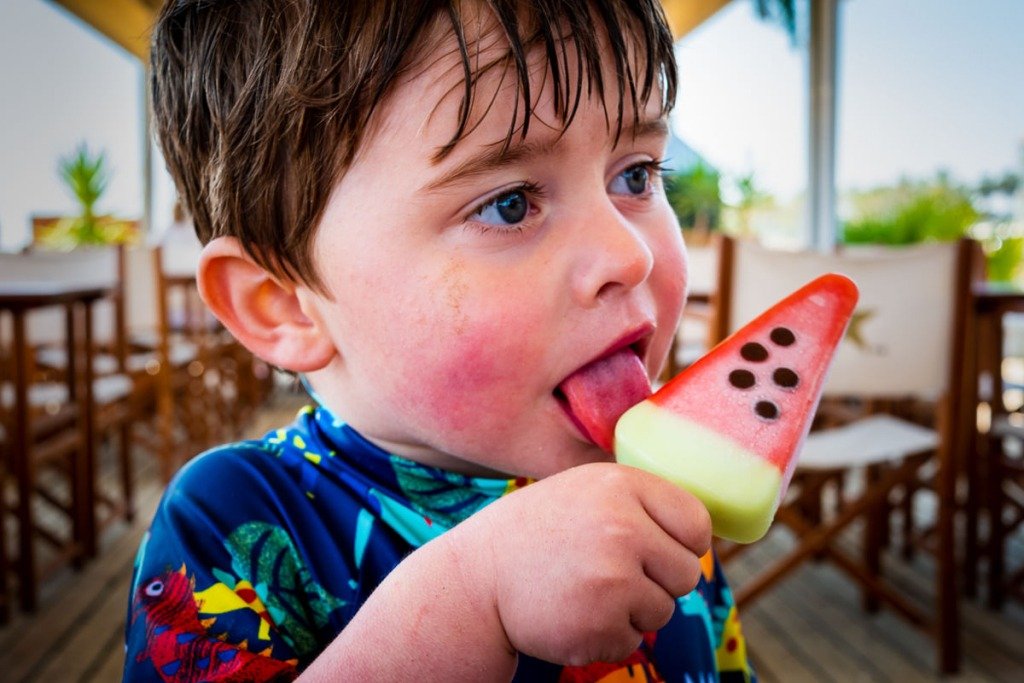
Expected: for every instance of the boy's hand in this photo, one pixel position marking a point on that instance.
(578, 565)
(570, 570)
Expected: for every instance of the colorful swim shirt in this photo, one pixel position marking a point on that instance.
(261, 552)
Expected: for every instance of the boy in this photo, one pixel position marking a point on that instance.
(447, 217)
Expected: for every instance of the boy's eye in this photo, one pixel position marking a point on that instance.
(634, 180)
(505, 209)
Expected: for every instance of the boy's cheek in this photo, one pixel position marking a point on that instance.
(671, 274)
(462, 379)
(468, 354)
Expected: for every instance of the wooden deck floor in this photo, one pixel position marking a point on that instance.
(810, 628)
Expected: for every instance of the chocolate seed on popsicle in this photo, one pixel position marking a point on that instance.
(754, 352)
(742, 379)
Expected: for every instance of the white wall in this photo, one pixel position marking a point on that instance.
(62, 83)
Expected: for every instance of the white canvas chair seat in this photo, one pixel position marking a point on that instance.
(873, 440)
(182, 352)
(102, 363)
(52, 395)
(904, 343)
(179, 351)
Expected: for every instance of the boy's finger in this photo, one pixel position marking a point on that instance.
(653, 606)
(670, 565)
(678, 512)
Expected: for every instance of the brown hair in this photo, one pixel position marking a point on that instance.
(260, 105)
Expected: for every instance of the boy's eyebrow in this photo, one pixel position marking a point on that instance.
(499, 156)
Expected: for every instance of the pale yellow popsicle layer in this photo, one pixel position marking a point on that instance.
(738, 487)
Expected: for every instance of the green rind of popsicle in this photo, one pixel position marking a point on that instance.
(739, 488)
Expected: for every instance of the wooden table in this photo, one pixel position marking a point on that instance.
(992, 301)
(18, 298)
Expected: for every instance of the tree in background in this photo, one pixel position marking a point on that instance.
(940, 209)
(910, 212)
(696, 197)
(782, 12)
(1007, 184)
(1003, 241)
(750, 198)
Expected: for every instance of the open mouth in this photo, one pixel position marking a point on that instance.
(597, 394)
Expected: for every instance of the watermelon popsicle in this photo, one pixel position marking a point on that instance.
(729, 427)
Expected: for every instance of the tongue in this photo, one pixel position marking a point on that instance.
(601, 392)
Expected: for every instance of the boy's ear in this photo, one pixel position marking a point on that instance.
(263, 312)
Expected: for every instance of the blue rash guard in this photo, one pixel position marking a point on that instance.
(261, 551)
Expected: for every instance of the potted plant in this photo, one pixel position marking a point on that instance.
(86, 176)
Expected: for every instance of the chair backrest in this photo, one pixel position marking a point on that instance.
(702, 268)
(141, 292)
(906, 336)
(179, 253)
(161, 294)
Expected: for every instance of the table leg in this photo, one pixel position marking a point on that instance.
(972, 449)
(69, 336)
(87, 471)
(21, 458)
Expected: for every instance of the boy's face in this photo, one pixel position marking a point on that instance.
(464, 292)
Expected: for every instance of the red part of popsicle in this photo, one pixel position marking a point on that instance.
(761, 386)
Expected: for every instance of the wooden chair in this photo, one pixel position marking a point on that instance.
(206, 383)
(1004, 495)
(235, 381)
(904, 349)
(57, 436)
(56, 427)
(119, 377)
(174, 362)
(693, 336)
(997, 473)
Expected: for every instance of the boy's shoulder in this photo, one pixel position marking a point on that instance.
(247, 469)
(245, 458)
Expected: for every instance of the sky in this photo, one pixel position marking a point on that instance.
(924, 85)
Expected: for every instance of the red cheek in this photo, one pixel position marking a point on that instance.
(466, 382)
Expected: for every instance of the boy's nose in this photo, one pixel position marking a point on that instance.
(616, 256)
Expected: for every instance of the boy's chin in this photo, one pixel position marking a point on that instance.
(584, 453)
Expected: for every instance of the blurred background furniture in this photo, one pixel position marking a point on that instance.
(693, 337)
(206, 384)
(108, 356)
(120, 379)
(890, 427)
(40, 435)
(998, 465)
(1004, 478)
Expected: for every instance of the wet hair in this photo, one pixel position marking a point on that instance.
(260, 105)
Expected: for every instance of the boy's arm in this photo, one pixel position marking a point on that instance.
(571, 570)
(426, 621)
